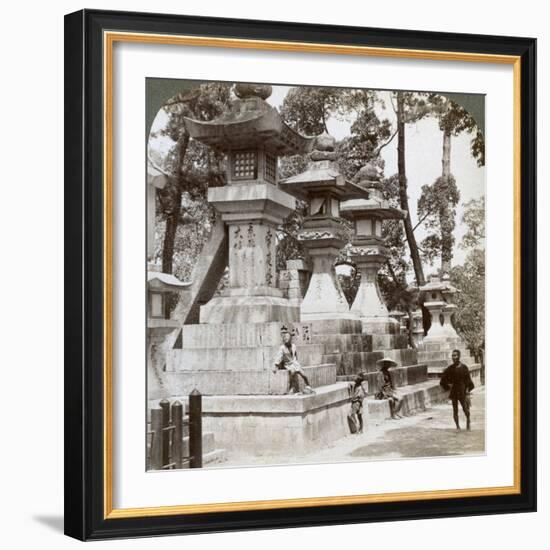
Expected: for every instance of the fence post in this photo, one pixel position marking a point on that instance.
(165, 407)
(195, 429)
(177, 438)
(156, 441)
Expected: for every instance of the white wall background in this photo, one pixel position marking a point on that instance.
(31, 476)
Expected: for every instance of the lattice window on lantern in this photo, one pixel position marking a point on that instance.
(270, 168)
(245, 165)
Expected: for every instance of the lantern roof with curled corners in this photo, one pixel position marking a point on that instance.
(165, 282)
(368, 179)
(322, 174)
(250, 123)
(441, 284)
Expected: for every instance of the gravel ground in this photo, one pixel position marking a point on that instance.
(427, 434)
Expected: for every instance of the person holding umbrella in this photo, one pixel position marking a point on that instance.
(387, 388)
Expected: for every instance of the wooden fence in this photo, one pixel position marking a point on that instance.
(169, 429)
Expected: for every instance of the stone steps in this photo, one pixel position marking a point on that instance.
(475, 372)
(242, 382)
(236, 359)
(417, 397)
(401, 376)
(274, 425)
(353, 363)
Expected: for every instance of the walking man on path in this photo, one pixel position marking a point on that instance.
(456, 377)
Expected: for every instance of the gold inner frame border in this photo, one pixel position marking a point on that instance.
(109, 39)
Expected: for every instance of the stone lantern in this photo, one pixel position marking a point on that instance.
(438, 296)
(323, 187)
(252, 206)
(159, 286)
(368, 249)
(159, 326)
(400, 317)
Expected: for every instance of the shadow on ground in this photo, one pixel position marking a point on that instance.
(404, 442)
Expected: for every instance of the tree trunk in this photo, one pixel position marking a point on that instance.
(446, 158)
(403, 195)
(446, 249)
(172, 219)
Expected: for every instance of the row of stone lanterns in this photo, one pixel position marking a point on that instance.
(331, 196)
(255, 202)
(322, 234)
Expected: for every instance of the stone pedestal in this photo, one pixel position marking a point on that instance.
(369, 304)
(438, 300)
(324, 298)
(294, 280)
(441, 329)
(252, 213)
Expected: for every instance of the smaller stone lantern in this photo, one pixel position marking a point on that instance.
(323, 234)
(438, 296)
(368, 249)
(159, 286)
(399, 316)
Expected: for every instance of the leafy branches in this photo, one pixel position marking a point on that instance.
(437, 205)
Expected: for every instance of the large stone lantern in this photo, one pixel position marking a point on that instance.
(323, 187)
(252, 206)
(368, 249)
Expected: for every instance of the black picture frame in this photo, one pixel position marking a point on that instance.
(84, 282)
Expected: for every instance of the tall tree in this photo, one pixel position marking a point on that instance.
(409, 108)
(437, 208)
(438, 201)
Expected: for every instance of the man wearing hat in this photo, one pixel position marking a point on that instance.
(387, 389)
(456, 377)
(287, 358)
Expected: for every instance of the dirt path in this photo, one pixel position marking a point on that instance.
(426, 434)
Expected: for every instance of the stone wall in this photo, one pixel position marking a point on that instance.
(271, 425)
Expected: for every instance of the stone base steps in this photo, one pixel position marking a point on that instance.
(245, 382)
(274, 425)
(353, 363)
(435, 373)
(401, 376)
(236, 359)
(417, 397)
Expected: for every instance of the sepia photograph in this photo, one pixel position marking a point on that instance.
(315, 271)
